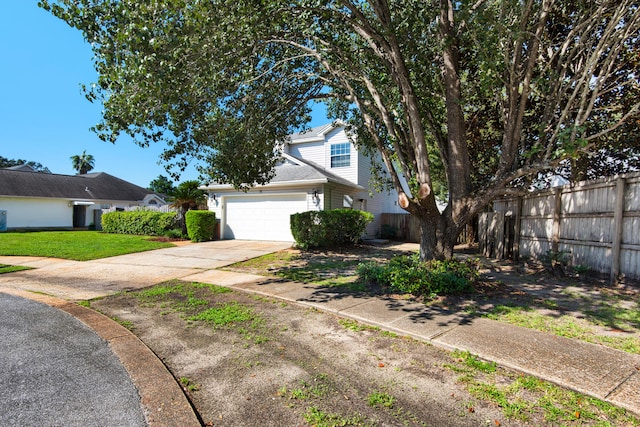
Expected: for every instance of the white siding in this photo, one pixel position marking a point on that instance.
(364, 170)
(338, 136)
(311, 151)
(37, 213)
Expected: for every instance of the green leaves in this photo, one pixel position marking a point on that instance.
(467, 98)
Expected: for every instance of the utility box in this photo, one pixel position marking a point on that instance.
(3, 220)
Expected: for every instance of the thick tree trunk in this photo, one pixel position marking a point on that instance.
(437, 237)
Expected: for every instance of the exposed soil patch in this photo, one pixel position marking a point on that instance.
(175, 240)
(289, 366)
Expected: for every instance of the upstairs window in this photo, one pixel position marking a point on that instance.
(340, 155)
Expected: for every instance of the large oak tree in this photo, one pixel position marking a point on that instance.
(478, 96)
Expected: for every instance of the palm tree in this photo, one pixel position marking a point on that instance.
(186, 196)
(83, 163)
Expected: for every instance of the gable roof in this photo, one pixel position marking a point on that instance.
(23, 167)
(317, 133)
(91, 186)
(300, 170)
(295, 171)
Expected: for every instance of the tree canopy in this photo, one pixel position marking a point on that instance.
(38, 167)
(162, 185)
(475, 96)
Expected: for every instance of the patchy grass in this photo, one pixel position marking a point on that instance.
(225, 314)
(75, 245)
(126, 323)
(569, 326)
(305, 268)
(616, 317)
(188, 385)
(584, 311)
(311, 394)
(4, 268)
(319, 272)
(195, 302)
(319, 418)
(268, 261)
(355, 326)
(381, 399)
(523, 397)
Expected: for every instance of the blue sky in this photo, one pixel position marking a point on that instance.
(44, 117)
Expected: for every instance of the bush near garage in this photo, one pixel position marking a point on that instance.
(409, 275)
(327, 229)
(200, 225)
(148, 223)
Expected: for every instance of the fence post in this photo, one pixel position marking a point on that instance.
(557, 208)
(482, 232)
(618, 217)
(518, 228)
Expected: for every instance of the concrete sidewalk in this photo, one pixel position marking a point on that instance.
(598, 371)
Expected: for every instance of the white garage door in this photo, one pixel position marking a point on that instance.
(262, 217)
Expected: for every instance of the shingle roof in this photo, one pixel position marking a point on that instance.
(91, 186)
(317, 132)
(295, 170)
(307, 170)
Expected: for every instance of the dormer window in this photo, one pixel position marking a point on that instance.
(340, 155)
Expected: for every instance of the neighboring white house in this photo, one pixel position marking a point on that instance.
(32, 200)
(320, 170)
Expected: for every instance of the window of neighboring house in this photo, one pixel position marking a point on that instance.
(340, 155)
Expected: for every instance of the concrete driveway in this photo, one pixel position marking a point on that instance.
(81, 280)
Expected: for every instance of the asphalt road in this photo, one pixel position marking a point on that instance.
(55, 371)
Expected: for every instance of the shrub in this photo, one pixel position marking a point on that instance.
(407, 274)
(138, 222)
(200, 225)
(334, 228)
(175, 233)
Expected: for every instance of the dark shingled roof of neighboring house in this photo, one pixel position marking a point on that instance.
(91, 186)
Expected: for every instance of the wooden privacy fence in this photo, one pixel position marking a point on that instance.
(595, 223)
(406, 228)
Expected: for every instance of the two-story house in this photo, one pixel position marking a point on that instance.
(320, 169)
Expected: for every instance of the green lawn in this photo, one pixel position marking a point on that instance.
(76, 245)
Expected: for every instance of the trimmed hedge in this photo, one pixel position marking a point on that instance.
(333, 228)
(146, 223)
(407, 274)
(200, 225)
